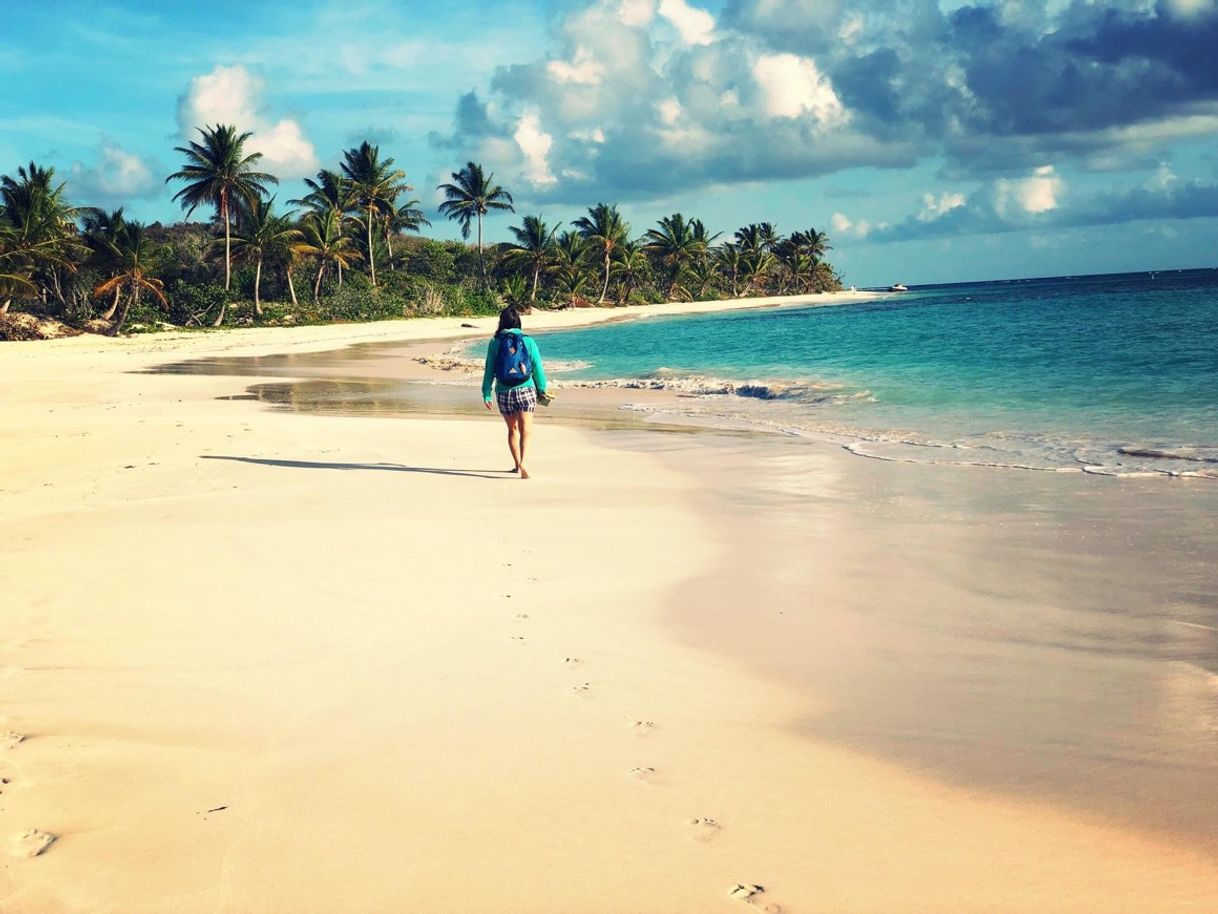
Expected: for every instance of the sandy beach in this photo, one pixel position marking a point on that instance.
(260, 661)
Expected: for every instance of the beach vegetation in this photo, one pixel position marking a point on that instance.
(605, 231)
(219, 173)
(535, 250)
(351, 248)
(134, 257)
(374, 187)
(471, 195)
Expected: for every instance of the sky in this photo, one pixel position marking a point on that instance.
(933, 140)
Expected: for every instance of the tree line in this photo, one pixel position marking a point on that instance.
(351, 249)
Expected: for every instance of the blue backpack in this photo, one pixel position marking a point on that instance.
(512, 365)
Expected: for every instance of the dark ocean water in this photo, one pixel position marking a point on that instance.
(1113, 374)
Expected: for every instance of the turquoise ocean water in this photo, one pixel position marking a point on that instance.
(1114, 374)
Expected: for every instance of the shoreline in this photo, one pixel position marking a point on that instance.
(302, 666)
(321, 337)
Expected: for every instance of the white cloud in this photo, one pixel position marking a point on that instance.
(1187, 9)
(535, 145)
(1037, 194)
(695, 26)
(633, 109)
(792, 86)
(595, 135)
(232, 95)
(851, 29)
(582, 70)
(933, 208)
(117, 177)
(636, 12)
(842, 225)
(1162, 179)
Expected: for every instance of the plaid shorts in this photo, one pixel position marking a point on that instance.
(516, 400)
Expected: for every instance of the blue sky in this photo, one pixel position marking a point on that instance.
(934, 142)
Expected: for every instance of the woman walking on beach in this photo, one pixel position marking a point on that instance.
(514, 365)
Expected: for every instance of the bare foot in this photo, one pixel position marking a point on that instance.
(524, 474)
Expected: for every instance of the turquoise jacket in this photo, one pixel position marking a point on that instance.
(538, 378)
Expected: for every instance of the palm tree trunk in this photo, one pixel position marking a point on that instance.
(317, 283)
(258, 288)
(113, 305)
(605, 287)
(533, 294)
(389, 245)
(291, 288)
(4, 307)
(228, 247)
(371, 256)
(122, 315)
(481, 261)
(340, 276)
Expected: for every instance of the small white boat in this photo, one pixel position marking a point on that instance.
(897, 287)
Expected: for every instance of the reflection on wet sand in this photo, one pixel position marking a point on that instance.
(1044, 637)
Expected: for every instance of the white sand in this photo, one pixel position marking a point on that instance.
(271, 663)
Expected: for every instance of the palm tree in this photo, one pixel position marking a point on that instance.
(405, 218)
(730, 261)
(799, 265)
(471, 196)
(755, 237)
(329, 192)
(701, 236)
(40, 225)
(375, 184)
(262, 236)
(571, 284)
(534, 248)
(219, 173)
(676, 243)
(571, 271)
(754, 266)
(812, 243)
(102, 233)
(15, 268)
(511, 290)
(702, 273)
(630, 266)
(605, 230)
(323, 237)
(133, 252)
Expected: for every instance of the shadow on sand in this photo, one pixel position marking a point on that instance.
(392, 467)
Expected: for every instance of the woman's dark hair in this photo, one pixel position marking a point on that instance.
(509, 319)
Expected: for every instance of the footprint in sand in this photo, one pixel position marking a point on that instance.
(517, 639)
(644, 727)
(522, 616)
(10, 739)
(751, 895)
(642, 773)
(571, 661)
(704, 829)
(31, 843)
(582, 689)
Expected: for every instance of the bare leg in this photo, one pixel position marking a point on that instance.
(526, 427)
(513, 434)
